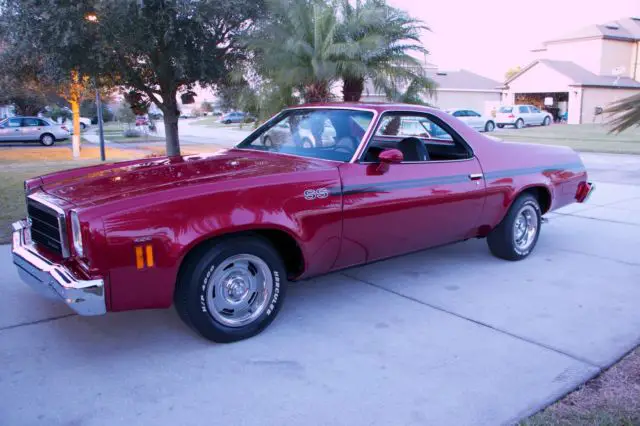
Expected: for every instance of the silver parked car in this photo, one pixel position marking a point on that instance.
(27, 129)
(522, 115)
(235, 117)
(473, 119)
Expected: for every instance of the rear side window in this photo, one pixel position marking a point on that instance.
(31, 122)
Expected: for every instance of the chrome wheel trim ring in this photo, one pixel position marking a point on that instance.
(525, 228)
(239, 290)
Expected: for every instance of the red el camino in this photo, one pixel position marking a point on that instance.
(220, 235)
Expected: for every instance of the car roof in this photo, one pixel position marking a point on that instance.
(379, 107)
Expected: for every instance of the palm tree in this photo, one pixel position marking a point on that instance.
(626, 113)
(376, 42)
(412, 94)
(296, 47)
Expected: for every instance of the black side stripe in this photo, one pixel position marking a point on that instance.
(532, 170)
(443, 180)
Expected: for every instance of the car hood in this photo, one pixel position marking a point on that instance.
(98, 184)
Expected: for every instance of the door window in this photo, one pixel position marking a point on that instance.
(473, 114)
(420, 137)
(460, 113)
(14, 122)
(31, 122)
(524, 110)
(534, 109)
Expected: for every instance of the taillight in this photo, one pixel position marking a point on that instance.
(584, 191)
(511, 116)
(64, 128)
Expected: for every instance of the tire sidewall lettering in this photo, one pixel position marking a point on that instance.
(202, 290)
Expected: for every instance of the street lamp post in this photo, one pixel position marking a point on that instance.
(100, 124)
(93, 18)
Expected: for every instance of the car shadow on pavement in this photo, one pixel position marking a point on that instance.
(311, 306)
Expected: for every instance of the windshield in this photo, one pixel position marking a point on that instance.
(331, 134)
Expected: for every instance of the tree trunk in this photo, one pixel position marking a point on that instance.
(352, 89)
(171, 115)
(74, 100)
(171, 133)
(317, 92)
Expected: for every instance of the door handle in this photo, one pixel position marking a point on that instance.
(475, 176)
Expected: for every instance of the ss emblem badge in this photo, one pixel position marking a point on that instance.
(312, 194)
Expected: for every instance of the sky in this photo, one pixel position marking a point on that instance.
(490, 36)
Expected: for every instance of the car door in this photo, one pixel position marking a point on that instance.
(525, 114)
(476, 120)
(11, 130)
(463, 116)
(419, 203)
(537, 116)
(31, 129)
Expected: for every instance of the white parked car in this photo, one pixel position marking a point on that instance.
(473, 119)
(522, 115)
(84, 124)
(281, 135)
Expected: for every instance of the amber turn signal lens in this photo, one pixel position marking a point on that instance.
(149, 249)
(139, 258)
(144, 256)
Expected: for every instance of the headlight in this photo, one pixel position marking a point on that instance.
(76, 234)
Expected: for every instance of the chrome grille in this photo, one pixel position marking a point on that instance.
(47, 227)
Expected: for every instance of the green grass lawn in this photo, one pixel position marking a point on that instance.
(581, 137)
(124, 139)
(213, 122)
(20, 163)
(208, 121)
(12, 177)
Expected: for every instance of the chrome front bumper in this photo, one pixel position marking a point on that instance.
(85, 297)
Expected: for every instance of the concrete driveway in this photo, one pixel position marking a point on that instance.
(444, 336)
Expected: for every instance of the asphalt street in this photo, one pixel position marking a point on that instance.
(444, 336)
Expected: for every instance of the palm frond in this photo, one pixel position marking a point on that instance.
(626, 114)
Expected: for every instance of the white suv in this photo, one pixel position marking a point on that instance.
(522, 115)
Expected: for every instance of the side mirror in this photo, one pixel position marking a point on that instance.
(388, 157)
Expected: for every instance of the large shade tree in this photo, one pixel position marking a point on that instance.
(157, 48)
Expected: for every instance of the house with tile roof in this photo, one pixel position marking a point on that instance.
(453, 89)
(582, 72)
